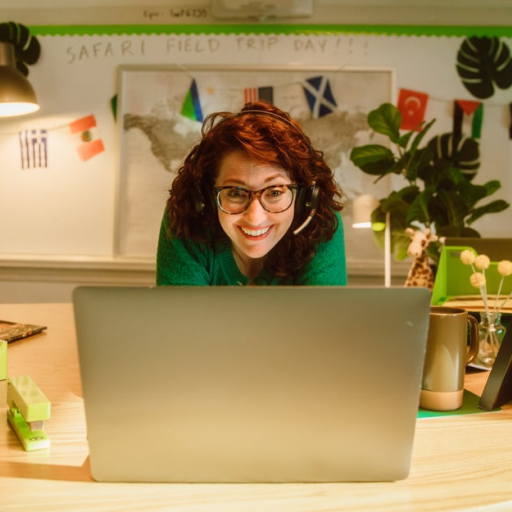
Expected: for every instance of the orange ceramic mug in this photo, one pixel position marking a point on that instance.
(446, 358)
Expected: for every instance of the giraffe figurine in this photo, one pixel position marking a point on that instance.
(420, 273)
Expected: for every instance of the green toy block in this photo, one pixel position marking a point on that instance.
(3, 360)
(30, 439)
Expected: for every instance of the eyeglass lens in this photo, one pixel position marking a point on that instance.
(273, 199)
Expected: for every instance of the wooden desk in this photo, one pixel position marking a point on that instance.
(459, 462)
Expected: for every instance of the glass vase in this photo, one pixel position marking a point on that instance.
(491, 335)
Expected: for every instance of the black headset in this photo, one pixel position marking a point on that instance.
(306, 201)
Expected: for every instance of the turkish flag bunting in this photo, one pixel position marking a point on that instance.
(412, 106)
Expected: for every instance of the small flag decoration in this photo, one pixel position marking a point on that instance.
(192, 106)
(470, 110)
(252, 94)
(33, 148)
(86, 130)
(412, 106)
(319, 96)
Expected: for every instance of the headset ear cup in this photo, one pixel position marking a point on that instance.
(199, 203)
(307, 200)
(312, 201)
(202, 204)
(300, 202)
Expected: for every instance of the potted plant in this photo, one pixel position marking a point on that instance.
(439, 193)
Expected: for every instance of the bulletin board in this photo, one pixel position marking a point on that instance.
(74, 206)
(160, 111)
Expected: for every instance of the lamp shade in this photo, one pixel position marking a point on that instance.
(362, 211)
(17, 97)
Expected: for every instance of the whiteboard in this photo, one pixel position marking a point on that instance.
(155, 136)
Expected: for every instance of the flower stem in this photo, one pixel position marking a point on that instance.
(498, 296)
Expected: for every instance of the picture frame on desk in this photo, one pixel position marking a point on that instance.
(498, 389)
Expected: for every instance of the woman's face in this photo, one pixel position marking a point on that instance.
(255, 231)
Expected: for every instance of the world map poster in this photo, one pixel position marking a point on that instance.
(160, 112)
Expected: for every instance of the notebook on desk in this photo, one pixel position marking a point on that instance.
(251, 384)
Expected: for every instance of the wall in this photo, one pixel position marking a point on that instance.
(63, 216)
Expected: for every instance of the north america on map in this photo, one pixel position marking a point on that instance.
(172, 136)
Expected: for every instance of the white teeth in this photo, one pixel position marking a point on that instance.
(255, 232)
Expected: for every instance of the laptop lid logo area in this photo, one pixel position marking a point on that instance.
(205, 384)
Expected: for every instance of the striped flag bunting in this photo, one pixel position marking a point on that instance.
(33, 148)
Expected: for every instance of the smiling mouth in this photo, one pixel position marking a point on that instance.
(255, 232)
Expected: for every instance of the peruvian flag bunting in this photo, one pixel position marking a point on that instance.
(412, 106)
(468, 111)
(87, 132)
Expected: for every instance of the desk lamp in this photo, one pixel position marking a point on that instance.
(363, 208)
(17, 97)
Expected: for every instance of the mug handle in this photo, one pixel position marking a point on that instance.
(474, 339)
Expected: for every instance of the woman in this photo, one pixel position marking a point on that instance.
(253, 204)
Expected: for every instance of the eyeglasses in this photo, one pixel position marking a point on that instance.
(273, 199)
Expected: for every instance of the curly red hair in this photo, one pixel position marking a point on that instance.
(265, 134)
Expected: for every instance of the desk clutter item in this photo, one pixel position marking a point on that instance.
(453, 286)
(12, 331)
(447, 354)
(28, 410)
(498, 389)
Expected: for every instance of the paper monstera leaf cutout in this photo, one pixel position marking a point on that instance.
(482, 63)
(26, 47)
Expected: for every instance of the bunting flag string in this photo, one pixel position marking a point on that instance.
(192, 106)
(469, 110)
(412, 105)
(252, 94)
(34, 148)
(319, 96)
(89, 142)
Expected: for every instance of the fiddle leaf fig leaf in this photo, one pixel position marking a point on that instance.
(492, 186)
(404, 139)
(417, 140)
(417, 164)
(454, 206)
(373, 159)
(386, 120)
(468, 192)
(493, 207)
(419, 210)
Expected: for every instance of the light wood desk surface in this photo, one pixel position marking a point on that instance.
(459, 462)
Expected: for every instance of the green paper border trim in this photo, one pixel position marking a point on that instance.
(227, 29)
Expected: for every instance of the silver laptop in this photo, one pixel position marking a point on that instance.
(251, 384)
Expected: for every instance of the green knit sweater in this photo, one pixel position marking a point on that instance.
(186, 262)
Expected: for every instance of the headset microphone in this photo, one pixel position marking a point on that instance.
(306, 222)
(312, 204)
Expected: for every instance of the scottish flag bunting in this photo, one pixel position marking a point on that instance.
(319, 96)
